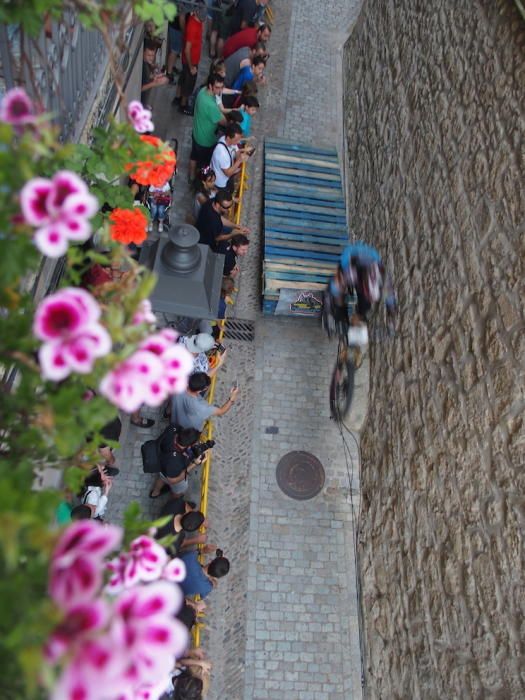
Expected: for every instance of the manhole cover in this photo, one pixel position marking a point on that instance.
(300, 475)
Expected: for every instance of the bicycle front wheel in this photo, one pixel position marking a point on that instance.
(342, 386)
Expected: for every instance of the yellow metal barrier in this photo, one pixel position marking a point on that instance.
(206, 468)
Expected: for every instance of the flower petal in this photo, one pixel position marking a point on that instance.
(33, 201)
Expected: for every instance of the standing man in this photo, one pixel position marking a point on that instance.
(191, 55)
(227, 160)
(247, 14)
(150, 79)
(207, 116)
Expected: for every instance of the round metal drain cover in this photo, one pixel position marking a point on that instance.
(300, 475)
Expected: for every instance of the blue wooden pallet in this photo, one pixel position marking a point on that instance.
(305, 228)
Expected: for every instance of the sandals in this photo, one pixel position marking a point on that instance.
(164, 489)
(144, 423)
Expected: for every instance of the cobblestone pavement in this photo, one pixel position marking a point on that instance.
(285, 620)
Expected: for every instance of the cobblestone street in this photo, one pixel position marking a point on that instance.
(284, 622)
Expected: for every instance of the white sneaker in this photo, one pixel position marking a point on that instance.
(150, 226)
(161, 227)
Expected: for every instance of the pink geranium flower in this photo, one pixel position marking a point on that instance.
(143, 563)
(175, 571)
(64, 314)
(16, 108)
(140, 117)
(144, 313)
(147, 632)
(76, 567)
(80, 620)
(67, 322)
(159, 342)
(178, 365)
(135, 381)
(60, 208)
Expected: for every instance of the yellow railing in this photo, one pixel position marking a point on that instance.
(206, 468)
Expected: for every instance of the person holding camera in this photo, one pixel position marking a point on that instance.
(227, 158)
(191, 410)
(177, 457)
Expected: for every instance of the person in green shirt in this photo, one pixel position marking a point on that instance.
(206, 117)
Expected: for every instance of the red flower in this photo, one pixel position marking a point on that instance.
(156, 171)
(128, 225)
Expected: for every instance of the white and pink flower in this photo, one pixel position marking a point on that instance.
(59, 209)
(17, 108)
(75, 574)
(175, 571)
(145, 630)
(140, 117)
(67, 322)
(145, 562)
(156, 370)
(81, 620)
(144, 313)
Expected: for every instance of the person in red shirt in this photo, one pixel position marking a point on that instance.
(191, 55)
(246, 37)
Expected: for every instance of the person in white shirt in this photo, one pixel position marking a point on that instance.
(96, 497)
(227, 158)
(159, 200)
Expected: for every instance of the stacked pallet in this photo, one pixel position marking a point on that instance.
(305, 227)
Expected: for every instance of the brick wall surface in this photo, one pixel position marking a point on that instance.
(434, 117)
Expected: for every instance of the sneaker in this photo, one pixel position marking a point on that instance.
(188, 111)
(161, 227)
(150, 227)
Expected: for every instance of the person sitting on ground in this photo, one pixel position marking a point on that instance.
(174, 461)
(253, 71)
(246, 37)
(159, 199)
(206, 189)
(191, 55)
(238, 248)
(227, 158)
(214, 228)
(200, 580)
(199, 345)
(150, 77)
(191, 410)
(248, 13)
(248, 109)
(207, 116)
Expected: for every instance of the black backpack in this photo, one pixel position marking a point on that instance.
(151, 452)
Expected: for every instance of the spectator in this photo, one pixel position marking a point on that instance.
(223, 11)
(248, 110)
(81, 513)
(191, 410)
(246, 37)
(206, 118)
(219, 68)
(254, 71)
(174, 461)
(199, 344)
(200, 580)
(175, 37)
(214, 228)
(151, 78)
(247, 14)
(235, 62)
(227, 289)
(227, 159)
(191, 56)
(238, 247)
(249, 89)
(206, 189)
(95, 496)
(159, 199)
(182, 527)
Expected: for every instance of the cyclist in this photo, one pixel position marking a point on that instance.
(362, 272)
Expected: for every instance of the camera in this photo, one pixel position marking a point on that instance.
(220, 348)
(197, 450)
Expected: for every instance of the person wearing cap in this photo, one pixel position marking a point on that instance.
(191, 410)
(199, 345)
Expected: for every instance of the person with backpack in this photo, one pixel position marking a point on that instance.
(227, 159)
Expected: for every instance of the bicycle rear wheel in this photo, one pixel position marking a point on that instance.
(342, 385)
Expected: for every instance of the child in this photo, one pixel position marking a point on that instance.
(205, 189)
(159, 199)
(248, 109)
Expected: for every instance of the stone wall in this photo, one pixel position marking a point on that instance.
(434, 117)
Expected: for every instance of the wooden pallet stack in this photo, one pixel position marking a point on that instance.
(305, 227)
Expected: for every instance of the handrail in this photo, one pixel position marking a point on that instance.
(206, 469)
